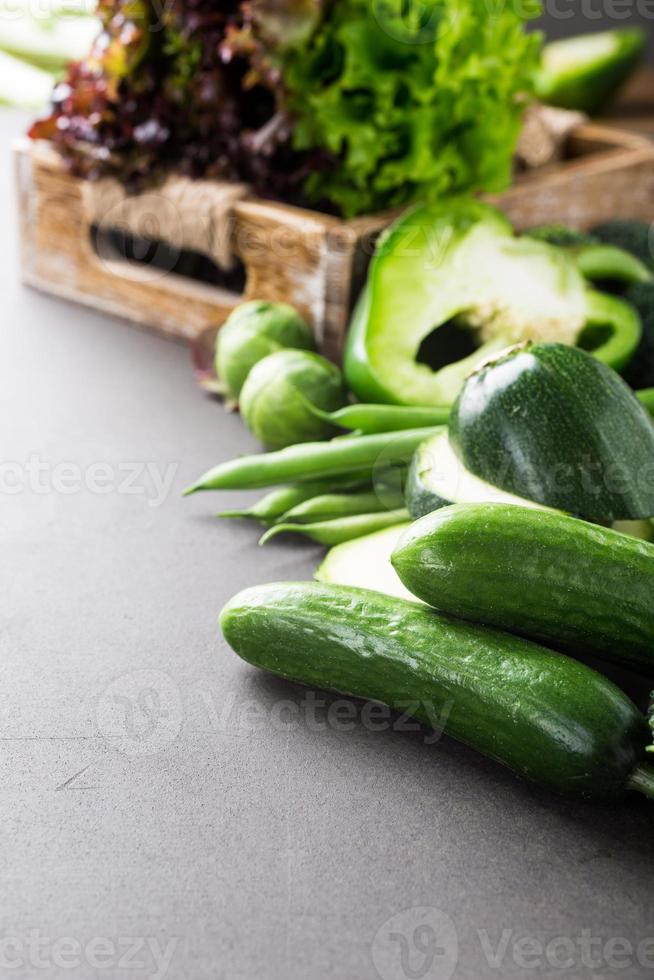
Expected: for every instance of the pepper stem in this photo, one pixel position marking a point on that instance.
(642, 780)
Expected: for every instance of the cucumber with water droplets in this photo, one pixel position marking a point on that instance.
(543, 574)
(547, 717)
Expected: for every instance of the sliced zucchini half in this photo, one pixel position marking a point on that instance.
(437, 478)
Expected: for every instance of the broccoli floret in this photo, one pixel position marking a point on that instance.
(636, 237)
(560, 235)
(640, 371)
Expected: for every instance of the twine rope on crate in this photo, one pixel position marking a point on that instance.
(192, 215)
(545, 131)
(197, 215)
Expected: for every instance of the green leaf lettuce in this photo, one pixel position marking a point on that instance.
(413, 99)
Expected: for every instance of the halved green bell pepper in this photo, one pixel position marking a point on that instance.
(459, 262)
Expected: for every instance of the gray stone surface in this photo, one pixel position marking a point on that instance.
(151, 784)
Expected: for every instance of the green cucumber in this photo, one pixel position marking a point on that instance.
(366, 562)
(585, 72)
(551, 423)
(437, 478)
(542, 574)
(545, 716)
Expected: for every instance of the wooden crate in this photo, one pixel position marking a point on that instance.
(314, 261)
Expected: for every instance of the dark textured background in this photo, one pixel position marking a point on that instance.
(563, 18)
(265, 854)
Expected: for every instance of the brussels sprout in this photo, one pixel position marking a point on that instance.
(252, 331)
(275, 395)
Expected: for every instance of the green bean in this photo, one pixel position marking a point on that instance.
(342, 529)
(331, 506)
(646, 396)
(276, 503)
(371, 419)
(313, 460)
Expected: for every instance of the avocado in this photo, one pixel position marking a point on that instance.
(449, 286)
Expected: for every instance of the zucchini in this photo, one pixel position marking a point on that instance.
(366, 562)
(551, 423)
(547, 717)
(437, 478)
(542, 574)
(585, 72)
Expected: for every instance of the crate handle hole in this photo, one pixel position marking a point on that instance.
(115, 245)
